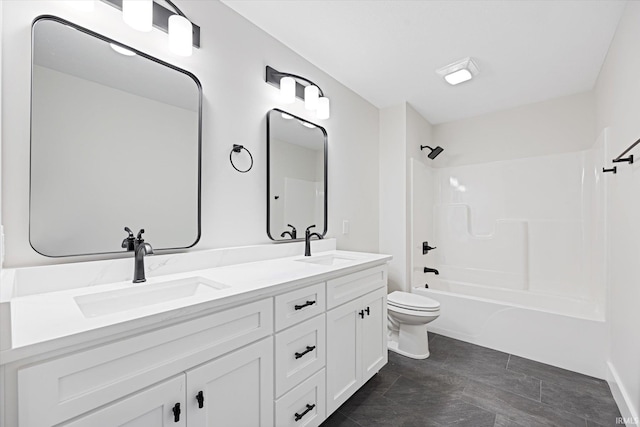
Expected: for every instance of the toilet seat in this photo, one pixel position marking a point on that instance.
(413, 302)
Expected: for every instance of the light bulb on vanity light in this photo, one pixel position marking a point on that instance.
(287, 90)
(311, 96)
(180, 35)
(323, 111)
(138, 14)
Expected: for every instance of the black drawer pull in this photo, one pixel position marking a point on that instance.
(300, 307)
(200, 399)
(309, 407)
(367, 310)
(309, 348)
(361, 314)
(176, 412)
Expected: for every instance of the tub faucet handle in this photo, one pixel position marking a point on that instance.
(426, 248)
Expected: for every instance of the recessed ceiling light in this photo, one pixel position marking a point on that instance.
(287, 116)
(459, 71)
(307, 124)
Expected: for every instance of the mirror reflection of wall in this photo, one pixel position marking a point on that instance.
(297, 175)
(115, 142)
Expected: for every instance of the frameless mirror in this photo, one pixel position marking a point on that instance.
(115, 142)
(296, 175)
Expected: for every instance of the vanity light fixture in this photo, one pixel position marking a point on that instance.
(459, 71)
(143, 14)
(311, 97)
(82, 5)
(293, 86)
(138, 14)
(287, 90)
(180, 35)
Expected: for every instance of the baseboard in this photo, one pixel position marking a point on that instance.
(620, 395)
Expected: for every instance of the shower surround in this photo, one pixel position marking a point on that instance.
(521, 254)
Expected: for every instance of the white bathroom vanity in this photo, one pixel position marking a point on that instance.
(267, 342)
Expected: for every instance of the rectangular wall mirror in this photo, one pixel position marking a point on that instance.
(296, 176)
(115, 142)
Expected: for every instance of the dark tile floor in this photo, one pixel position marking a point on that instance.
(462, 384)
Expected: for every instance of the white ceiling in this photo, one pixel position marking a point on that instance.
(387, 51)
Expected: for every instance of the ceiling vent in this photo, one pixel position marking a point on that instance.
(459, 71)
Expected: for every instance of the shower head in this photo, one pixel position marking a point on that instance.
(434, 151)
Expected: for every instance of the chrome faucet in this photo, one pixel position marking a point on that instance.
(431, 270)
(140, 250)
(307, 240)
(292, 233)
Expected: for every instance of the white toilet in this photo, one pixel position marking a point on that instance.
(408, 315)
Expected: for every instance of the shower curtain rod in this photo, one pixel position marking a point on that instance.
(627, 150)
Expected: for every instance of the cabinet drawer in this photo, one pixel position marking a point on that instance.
(304, 405)
(60, 389)
(300, 351)
(299, 305)
(350, 287)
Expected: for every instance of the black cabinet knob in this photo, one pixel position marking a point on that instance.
(176, 412)
(200, 399)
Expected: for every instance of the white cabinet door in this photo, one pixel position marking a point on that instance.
(234, 390)
(344, 360)
(374, 333)
(159, 406)
(356, 345)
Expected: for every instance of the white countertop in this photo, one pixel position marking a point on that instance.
(51, 321)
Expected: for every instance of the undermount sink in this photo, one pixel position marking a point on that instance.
(327, 260)
(119, 300)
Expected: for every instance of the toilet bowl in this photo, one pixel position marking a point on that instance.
(408, 315)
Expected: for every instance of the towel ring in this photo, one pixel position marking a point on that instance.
(236, 149)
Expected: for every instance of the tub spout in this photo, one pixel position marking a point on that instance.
(431, 270)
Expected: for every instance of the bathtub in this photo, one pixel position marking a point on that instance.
(560, 331)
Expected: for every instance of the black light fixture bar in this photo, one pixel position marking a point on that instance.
(161, 18)
(273, 77)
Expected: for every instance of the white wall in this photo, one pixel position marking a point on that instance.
(419, 195)
(559, 125)
(393, 203)
(231, 66)
(618, 102)
(1, 102)
(402, 131)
